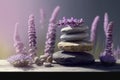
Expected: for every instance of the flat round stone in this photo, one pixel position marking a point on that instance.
(75, 47)
(47, 64)
(74, 37)
(73, 58)
(69, 29)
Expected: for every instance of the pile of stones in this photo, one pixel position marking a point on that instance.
(74, 46)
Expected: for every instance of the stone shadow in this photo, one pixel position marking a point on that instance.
(98, 66)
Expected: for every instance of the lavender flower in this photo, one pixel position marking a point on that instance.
(93, 29)
(51, 36)
(19, 46)
(32, 36)
(106, 21)
(107, 57)
(70, 22)
(21, 59)
(54, 15)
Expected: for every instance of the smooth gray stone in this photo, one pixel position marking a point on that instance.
(69, 29)
(73, 58)
(74, 37)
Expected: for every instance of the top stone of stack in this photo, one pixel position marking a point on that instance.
(71, 30)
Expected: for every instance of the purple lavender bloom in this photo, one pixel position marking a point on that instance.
(32, 36)
(54, 15)
(93, 28)
(106, 21)
(51, 34)
(107, 57)
(21, 59)
(70, 22)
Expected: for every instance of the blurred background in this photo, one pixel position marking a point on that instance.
(12, 11)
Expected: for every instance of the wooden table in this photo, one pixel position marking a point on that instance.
(96, 67)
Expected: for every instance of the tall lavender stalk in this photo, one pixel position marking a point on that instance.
(51, 36)
(19, 46)
(21, 58)
(93, 29)
(32, 36)
(107, 57)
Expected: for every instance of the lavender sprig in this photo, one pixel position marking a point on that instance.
(106, 21)
(107, 57)
(21, 59)
(54, 15)
(70, 22)
(32, 36)
(93, 28)
(51, 36)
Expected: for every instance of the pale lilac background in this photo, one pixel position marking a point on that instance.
(12, 11)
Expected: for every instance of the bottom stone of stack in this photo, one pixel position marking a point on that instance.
(73, 58)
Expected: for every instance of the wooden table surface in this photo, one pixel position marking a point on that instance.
(96, 67)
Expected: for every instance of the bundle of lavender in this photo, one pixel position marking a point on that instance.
(21, 58)
(107, 57)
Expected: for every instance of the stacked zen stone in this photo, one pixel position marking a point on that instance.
(74, 45)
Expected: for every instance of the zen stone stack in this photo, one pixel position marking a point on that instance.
(74, 46)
